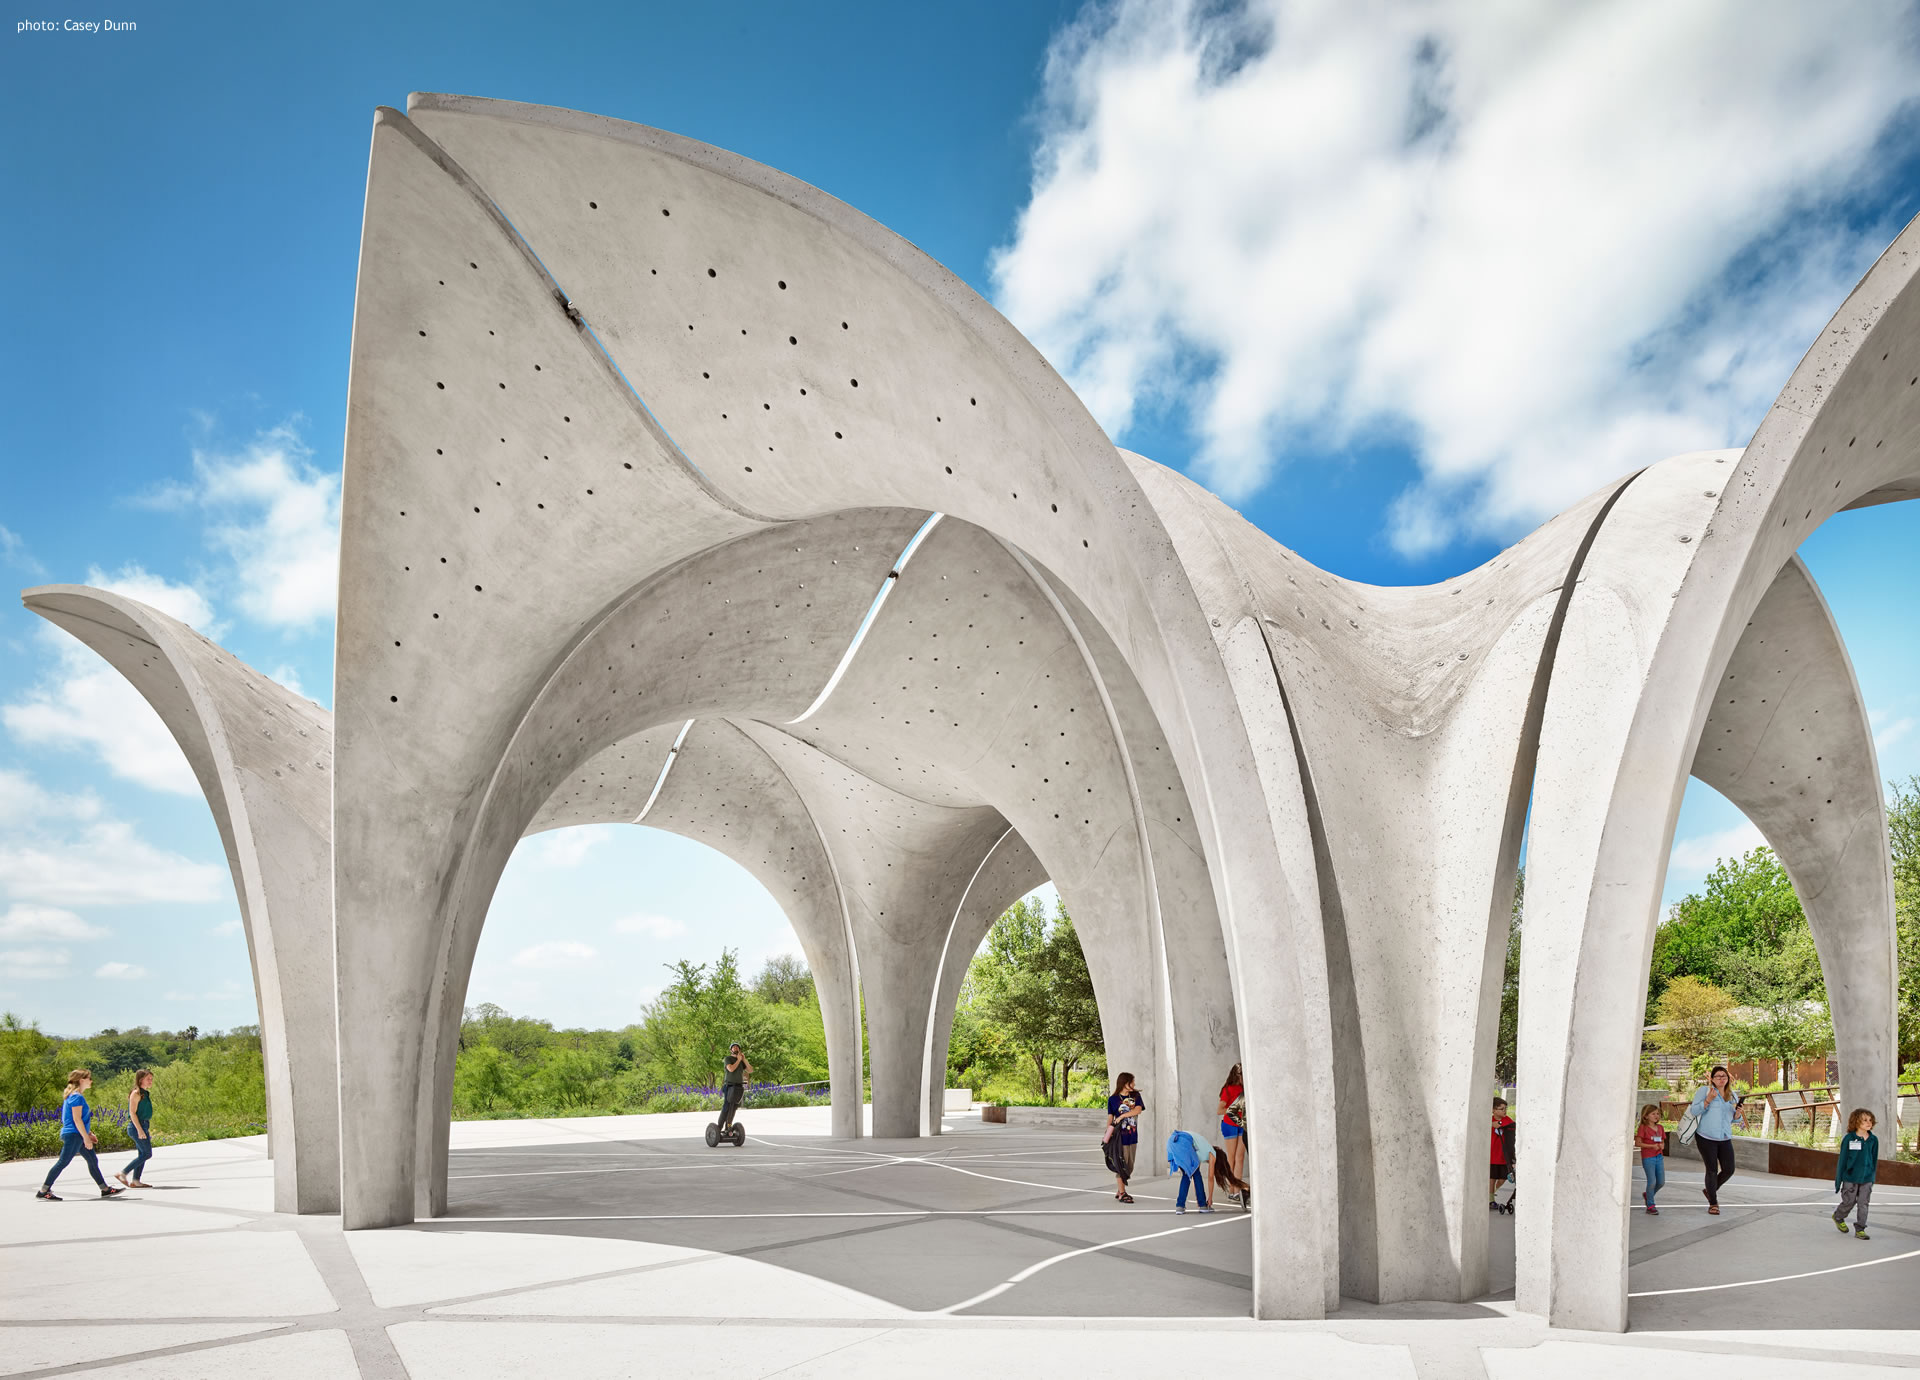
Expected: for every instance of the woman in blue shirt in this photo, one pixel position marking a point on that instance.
(76, 1137)
(1714, 1105)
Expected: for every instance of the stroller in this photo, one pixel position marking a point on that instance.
(1503, 1200)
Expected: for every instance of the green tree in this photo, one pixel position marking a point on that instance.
(30, 1073)
(784, 980)
(1692, 1016)
(1903, 824)
(1748, 910)
(1031, 987)
(518, 1036)
(483, 1078)
(703, 1010)
(1506, 1056)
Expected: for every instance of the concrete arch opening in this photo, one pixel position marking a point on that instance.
(971, 747)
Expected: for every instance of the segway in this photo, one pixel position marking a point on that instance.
(735, 1135)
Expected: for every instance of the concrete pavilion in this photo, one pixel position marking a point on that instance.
(679, 493)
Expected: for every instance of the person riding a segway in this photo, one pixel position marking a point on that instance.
(733, 1087)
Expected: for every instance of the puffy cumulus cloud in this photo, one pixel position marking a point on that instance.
(559, 953)
(652, 926)
(83, 703)
(24, 801)
(1541, 246)
(64, 850)
(181, 601)
(277, 518)
(120, 972)
(20, 922)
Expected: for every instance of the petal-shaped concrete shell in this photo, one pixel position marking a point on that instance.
(264, 757)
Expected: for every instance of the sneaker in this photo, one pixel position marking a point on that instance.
(1179, 1211)
(1652, 1211)
(111, 1192)
(49, 1195)
(1206, 1209)
(1859, 1233)
(1841, 1223)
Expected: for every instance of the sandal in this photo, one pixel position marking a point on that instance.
(1713, 1209)
(121, 1177)
(138, 1183)
(1126, 1197)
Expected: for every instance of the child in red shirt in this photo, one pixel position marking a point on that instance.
(1500, 1161)
(1651, 1140)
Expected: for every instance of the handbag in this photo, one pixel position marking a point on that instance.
(1689, 1123)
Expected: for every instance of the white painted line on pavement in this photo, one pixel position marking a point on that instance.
(1064, 1256)
(1776, 1279)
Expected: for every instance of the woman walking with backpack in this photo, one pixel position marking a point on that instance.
(76, 1137)
(1712, 1112)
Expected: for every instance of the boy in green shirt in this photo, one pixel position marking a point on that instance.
(1853, 1175)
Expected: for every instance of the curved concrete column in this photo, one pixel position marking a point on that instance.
(1412, 716)
(904, 867)
(1677, 571)
(974, 687)
(690, 643)
(263, 758)
(916, 395)
(1788, 741)
(1008, 872)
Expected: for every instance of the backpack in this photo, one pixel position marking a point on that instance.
(1689, 1123)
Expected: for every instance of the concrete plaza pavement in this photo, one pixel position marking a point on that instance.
(622, 1246)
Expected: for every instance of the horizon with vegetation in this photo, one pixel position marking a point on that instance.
(1734, 974)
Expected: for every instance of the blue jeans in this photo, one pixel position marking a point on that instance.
(71, 1145)
(1655, 1168)
(143, 1145)
(1199, 1182)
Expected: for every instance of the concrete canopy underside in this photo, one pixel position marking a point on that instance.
(768, 531)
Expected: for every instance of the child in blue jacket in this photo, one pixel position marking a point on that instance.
(1187, 1155)
(1853, 1176)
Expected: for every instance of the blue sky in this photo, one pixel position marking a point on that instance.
(1396, 282)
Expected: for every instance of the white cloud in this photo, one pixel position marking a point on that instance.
(559, 953)
(652, 926)
(1697, 856)
(226, 927)
(86, 704)
(64, 850)
(47, 922)
(120, 972)
(24, 800)
(33, 965)
(278, 520)
(569, 847)
(1541, 246)
(183, 602)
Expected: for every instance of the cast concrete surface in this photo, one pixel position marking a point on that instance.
(761, 527)
(622, 1246)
